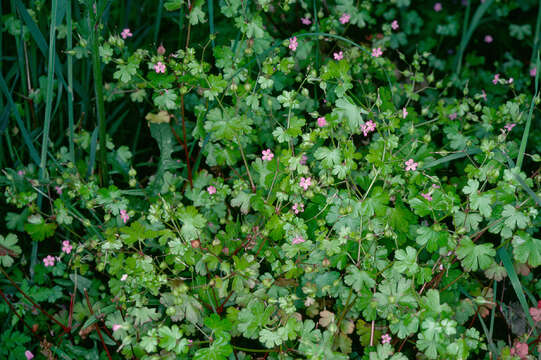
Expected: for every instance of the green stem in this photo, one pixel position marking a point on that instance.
(100, 105)
(70, 83)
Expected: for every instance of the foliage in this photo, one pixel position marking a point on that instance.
(362, 183)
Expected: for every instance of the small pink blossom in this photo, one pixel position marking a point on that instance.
(520, 350)
(20, 173)
(435, 186)
(441, 267)
(58, 190)
(211, 190)
(124, 216)
(496, 78)
(535, 314)
(116, 327)
(126, 33)
(488, 39)
(161, 50)
(303, 160)
(344, 19)
(510, 127)
(28, 354)
(190, 342)
(533, 72)
(66, 246)
(293, 43)
(438, 7)
(484, 95)
(305, 183)
(404, 113)
(427, 196)
(321, 122)
(385, 338)
(48, 261)
(510, 81)
(298, 208)
(338, 56)
(394, 25)
(376, 52)
(306, 21)
(267, 155)
(159, 67)
(297, 240)
(411, 165)
(452, 116)
(368, 127)
(124, 277)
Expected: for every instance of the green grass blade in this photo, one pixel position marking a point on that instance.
(451, 157)
(537, 31)
(49, 97)
(26, 137)
(515, 282)
(210, 4)
(471, 28)
(526, 133)
(93, 146)
(70, 83)
(158, 22)
(100, 103)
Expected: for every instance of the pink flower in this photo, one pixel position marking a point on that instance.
(20, 173)
(48, 261)
(411, 165)
(321, 122)
(267, 155)
(124, 277)
(435, 186)
(368, 127)
(293, 43)
(66, 246)
(338, 55)
(496, 78)
(305, 183)
(520, 350)
(116, 327)
(126, 33)
(303, 159)
(438, 7)
(306, 21)
(161, 50)
(211, 190)
(385, 338)
(404, 113)
(510, 127)
(297, 240)
(533, 72)
(394, 25)
(190, 341)
(376, 52)
(452, 116)
(124, 216)
(510, 81)
(427, 196)
(29, 355)
(160, 67)
(441, 267)
(298, 208)
(488, 39)
(344, 19)
(536, 314)
(484, 95)
(58, 190)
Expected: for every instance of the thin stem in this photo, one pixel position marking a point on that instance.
(246, 164)
(97, 326)
(185, 143)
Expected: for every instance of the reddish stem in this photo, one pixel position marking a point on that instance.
(15, 312)
(97, 327)
(33, 303)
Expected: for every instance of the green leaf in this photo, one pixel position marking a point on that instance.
(514, 218)
(125, 72)
(526, 249)
(38, 229)
(475, 257)
(349, 113)
(172, 5)
(219, 350)
(8, 249)
(253, 318)
(192, 222)
(432, 238)
(358, 279)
